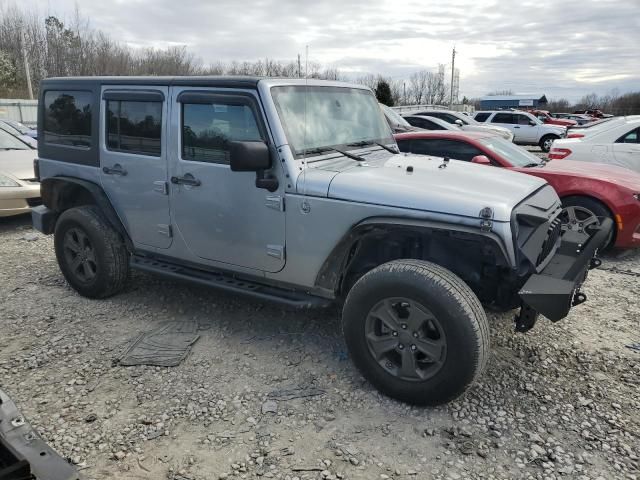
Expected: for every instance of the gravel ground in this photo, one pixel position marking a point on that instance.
(558, 402)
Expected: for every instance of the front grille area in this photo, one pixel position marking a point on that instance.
(553, 234)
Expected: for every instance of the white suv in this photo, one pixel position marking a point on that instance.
(526, 128)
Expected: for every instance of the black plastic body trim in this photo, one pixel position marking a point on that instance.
(134, 95)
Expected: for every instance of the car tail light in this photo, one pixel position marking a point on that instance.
(559, 153)
(575, 135)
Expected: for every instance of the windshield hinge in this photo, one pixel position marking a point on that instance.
(275, 201)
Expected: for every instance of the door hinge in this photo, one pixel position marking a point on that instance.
(161, 187)
(275, 201)
(276, 251)
(165, 230)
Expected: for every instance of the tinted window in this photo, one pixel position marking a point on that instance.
(482, 117)
(632, 137)
(67, 118)
(445, 148)
(134, 127)
(424, 123)
(207, 130)
(503, 118)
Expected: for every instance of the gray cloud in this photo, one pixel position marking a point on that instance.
(561, 48)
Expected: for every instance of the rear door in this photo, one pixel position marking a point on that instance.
(626, 150)
(133, 161)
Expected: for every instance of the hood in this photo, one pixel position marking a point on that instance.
(561, 121)
(18, 163)
(595, 171)
(461, 188)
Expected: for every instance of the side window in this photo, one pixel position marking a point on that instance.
(503, 118)
(482, 117)
(67, 118)
(134, 127)
(404, 145)
(462, 151)
(632, 137)
(207, 130)
(524, 120)
(429, 125)
(445, 148)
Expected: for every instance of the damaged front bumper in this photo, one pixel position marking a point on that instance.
(556, 288)
(23, 454)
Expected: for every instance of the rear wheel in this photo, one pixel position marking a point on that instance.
(416, 331)
(582, 213)
(546, 142)
(91, 254)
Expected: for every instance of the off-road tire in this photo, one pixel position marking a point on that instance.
(451, 301)
(543, 142)
(597, 208)
(109, 253)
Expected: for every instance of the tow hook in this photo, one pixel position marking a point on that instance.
(594, 263)
(578, 298)
(526, 318)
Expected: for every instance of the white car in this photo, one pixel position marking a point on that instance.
(19, 189)
(595, 127)
(429, 123)
(617, 145)
(526, 128)
(7, 127)
(466, 123)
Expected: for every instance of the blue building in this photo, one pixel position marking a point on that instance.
(499, 102)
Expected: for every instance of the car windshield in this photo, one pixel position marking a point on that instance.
(322, 116)
(394, 116)
(9, 142)
(517, 156)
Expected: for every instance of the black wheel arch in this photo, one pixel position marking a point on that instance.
(469, 253)
(62, 193)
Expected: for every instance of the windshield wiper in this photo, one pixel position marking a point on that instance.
(333, 149)
(532, 164)
(364, 143)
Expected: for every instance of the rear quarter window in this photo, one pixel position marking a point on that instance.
(67, 118)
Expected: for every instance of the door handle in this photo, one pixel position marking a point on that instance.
(115, 170)
(186, 180)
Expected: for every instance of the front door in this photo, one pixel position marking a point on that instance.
(626, 150)
(221, 214)
(526, 131)
(133, 161)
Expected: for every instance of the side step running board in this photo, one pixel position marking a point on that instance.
(231, 284)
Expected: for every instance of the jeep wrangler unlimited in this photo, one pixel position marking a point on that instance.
(294, 191)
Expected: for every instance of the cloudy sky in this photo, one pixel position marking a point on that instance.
(563, 48)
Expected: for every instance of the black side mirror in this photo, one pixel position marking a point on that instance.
(249, 156)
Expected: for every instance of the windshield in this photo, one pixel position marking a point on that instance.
(517, 156)
(9, 142)
(394, 116)
(318, 116)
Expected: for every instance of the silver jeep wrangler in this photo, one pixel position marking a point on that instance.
(293, 191)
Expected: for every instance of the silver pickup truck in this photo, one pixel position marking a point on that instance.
(294, 191)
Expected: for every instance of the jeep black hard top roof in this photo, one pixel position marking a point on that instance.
(200, 81)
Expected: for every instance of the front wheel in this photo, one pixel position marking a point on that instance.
(416, 331)
(582, 213)
(546, 142)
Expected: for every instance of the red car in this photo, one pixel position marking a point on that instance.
(587, 190)
(544, 117)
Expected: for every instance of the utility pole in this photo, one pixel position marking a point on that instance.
(27, 72)
(299, 67)
(453, 62)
